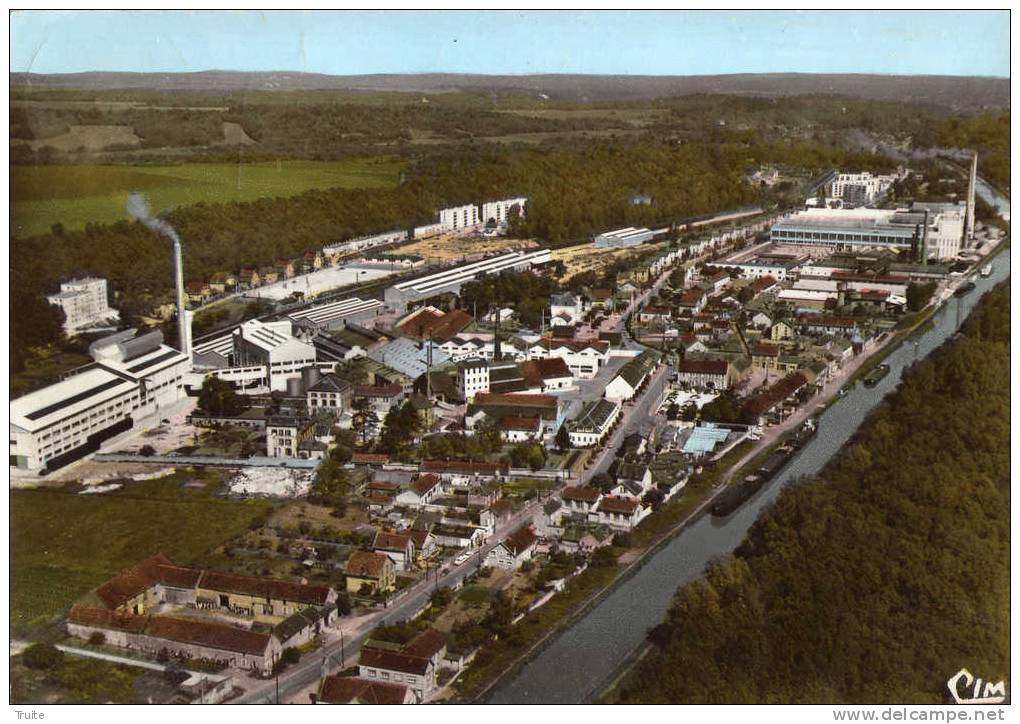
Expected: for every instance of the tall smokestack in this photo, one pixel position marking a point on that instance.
(968, 233)
(138, 208)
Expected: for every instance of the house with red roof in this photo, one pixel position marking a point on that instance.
(423, 490)
(339, 689)
(510, 553)
(398, 546)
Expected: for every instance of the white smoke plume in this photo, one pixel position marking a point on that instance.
(138, 208)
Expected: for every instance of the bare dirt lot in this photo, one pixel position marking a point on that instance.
(587, 257)
(447, 247)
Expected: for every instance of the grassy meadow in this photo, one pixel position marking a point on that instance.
(74, 195)
(63, 544)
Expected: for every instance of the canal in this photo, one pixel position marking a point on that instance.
(578, 664)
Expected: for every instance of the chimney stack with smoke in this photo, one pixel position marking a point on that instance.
(138, 208)
(969, 231)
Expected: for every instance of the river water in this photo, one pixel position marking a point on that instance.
(578, 664)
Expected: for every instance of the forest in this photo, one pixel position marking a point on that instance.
(573, 189)
(877, 580)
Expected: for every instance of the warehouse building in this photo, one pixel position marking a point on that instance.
(400, 295)
(130, 378)
(629, 236)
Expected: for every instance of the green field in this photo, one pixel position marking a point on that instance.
(63, 545)
(75, 195)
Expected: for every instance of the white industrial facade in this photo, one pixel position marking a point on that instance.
(272, 346)
(942, 236)
(84, 303)
(131, 378)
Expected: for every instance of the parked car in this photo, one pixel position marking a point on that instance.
(462, 558)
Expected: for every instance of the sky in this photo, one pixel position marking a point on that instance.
(659, 42)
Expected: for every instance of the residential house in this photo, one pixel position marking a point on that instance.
(692, 300)
(330, 394)
(398, 546)
(423, 490)
(511, 553)
(633, 479)
(619, 513)
(370, 572)
(338, 689)
(764, 355)
(396, 667)
(578, 501)
(780, 331)
(707, 373)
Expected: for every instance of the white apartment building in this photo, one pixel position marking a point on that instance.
(499, 211)
(84, 303)
(860, 189)
(131, 378)
(456, 218)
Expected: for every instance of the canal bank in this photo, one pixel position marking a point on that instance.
(575, 665)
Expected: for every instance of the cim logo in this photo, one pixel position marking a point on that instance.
(967, 690)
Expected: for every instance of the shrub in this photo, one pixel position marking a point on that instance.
(98, 638)
(42, 656)
(147, 451)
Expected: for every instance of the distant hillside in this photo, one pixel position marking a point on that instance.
(960, 93)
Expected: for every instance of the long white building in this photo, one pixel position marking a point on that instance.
(401, 294)
(84, 303)
(935, 228)
(131, 378)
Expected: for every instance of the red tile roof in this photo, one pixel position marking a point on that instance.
(366, 564)
(584, 495)
(762, 283)
(536, 371)
(383, 391)
(338, 689)
(442, 326)
(526, 424)
(105, 618)
(515, 400)
(614, 504)
(425, 482)
(266, 588)
(206, 633)
(369, 458)
(388, 541)
(426, 644)
(520, 540)
(393, 661)
(764, 350)
(125, 586)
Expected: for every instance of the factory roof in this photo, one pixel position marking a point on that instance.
(323, 314)
(704, 438)
(68, 397)
(408, 356)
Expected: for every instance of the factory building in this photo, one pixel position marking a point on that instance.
(364, 242)
(273, 347)
(84, 303)
(935, 230)
(458, 218)
(130, 378)
(450, 281)
(629, 236)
